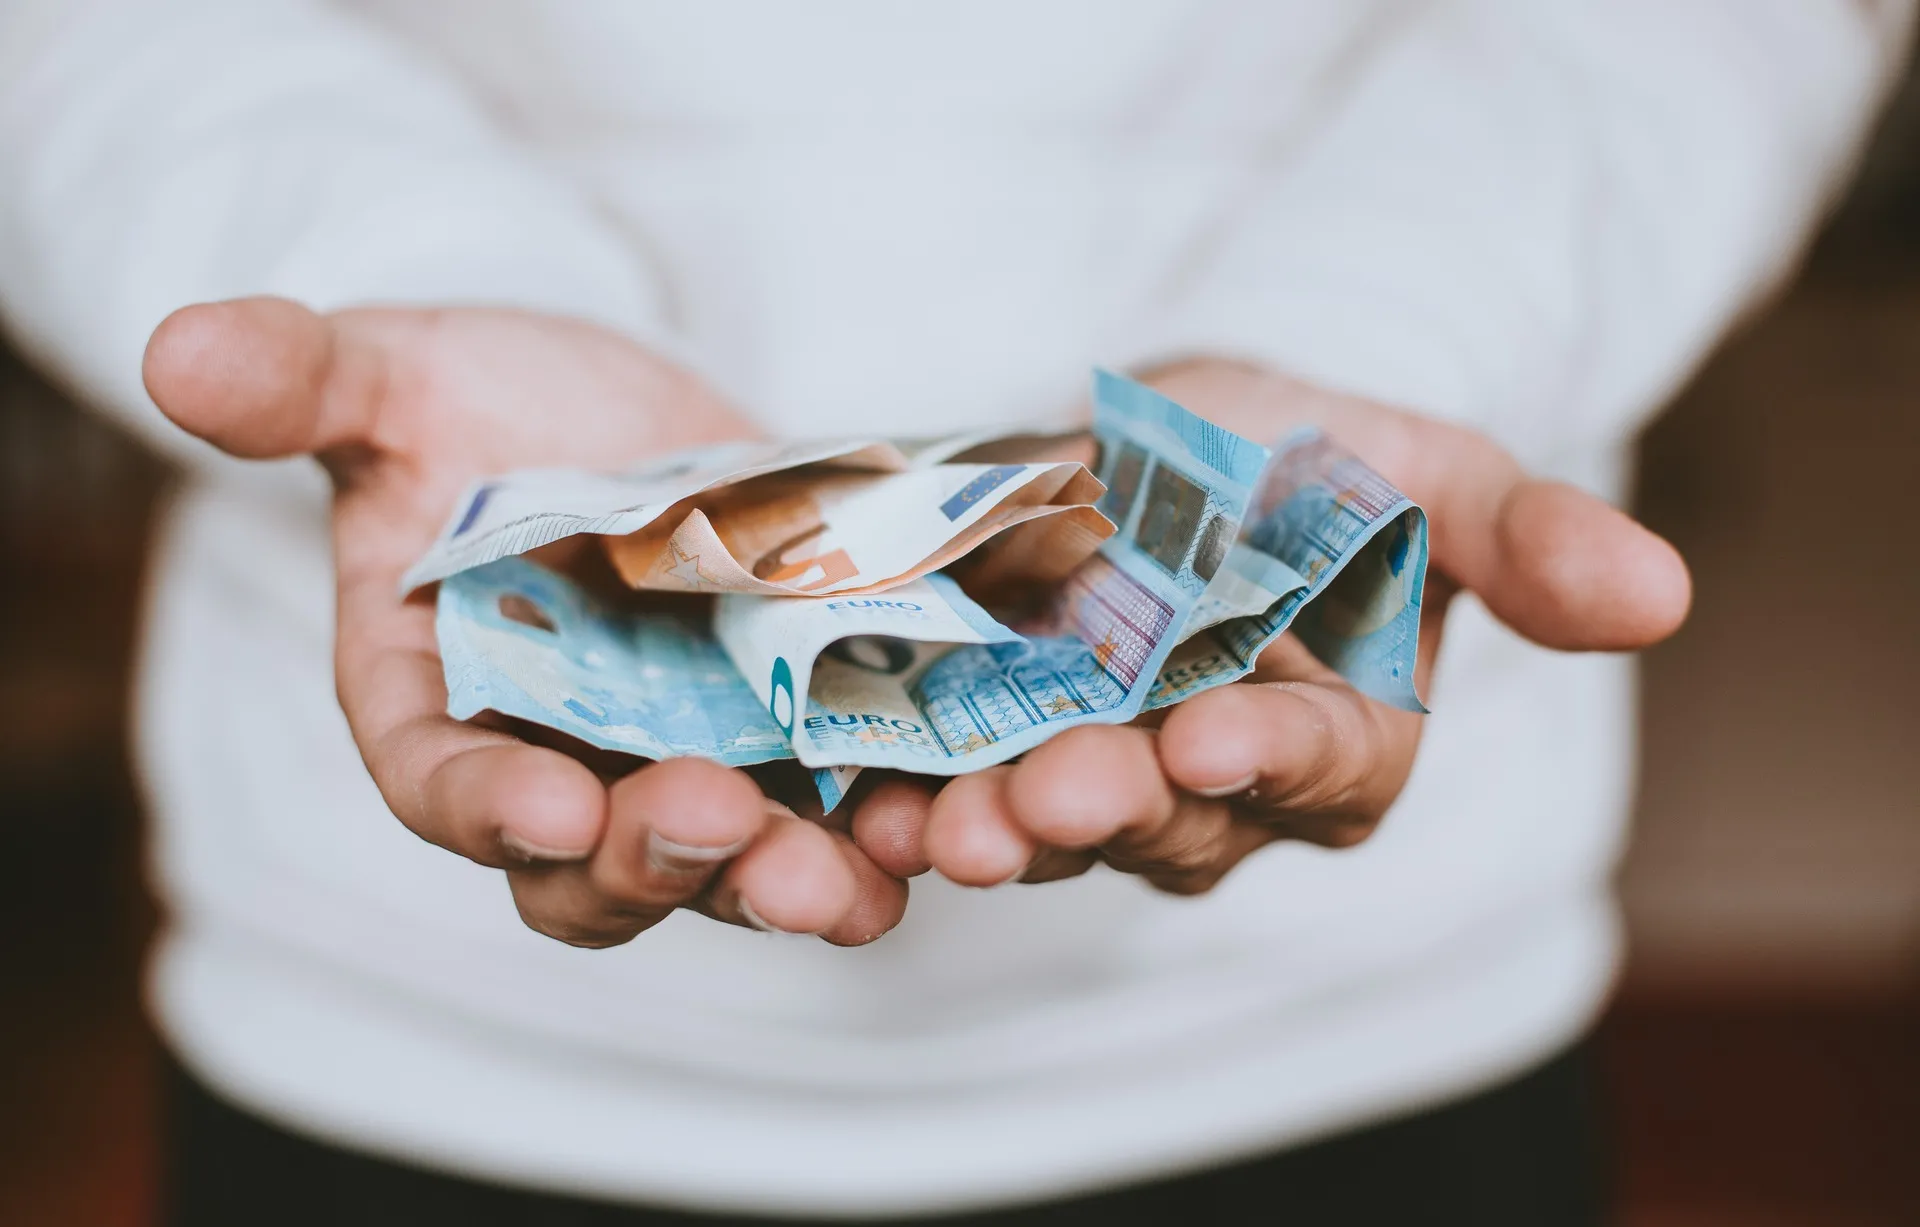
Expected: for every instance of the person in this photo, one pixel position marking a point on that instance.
(1183, 974)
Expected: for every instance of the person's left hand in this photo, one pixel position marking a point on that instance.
(1292, 751)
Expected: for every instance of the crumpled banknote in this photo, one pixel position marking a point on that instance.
(779, 519)
(813, 534)
(1331, 551)
(653, 679)
(1216, 552)
(1090, 654)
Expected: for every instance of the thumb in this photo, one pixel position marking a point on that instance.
(1555, 563)
(1577, 574)
(260, 378)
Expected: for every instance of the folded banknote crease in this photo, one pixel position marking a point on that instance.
(802, 533)
(784, 519)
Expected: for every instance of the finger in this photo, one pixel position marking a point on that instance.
(1578, 574)
(488, 797)
(263, 377)
(671, 827)
(562, 902)
(1196, 836)
(1089, 784)
(971, 837)
(890, 824)
(1103, 787)
(794, 879)
(1241, 840)
(1294, 746)
(1328, 830)
(1555, 563)
(879, 900)
(475, 791)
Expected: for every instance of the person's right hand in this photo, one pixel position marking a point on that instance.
(404, 408)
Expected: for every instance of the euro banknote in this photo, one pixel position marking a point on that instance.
(518, 512)
(1217, 552)
(653, 680)
(784, 518)
(1178, 490)
(919, 677)
(1331, 551)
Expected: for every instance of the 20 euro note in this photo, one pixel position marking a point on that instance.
(523, 641)
(1330, 550)
(1177, 489)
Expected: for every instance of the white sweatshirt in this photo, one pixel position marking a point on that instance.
(855, 216)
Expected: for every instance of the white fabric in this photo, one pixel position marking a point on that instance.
(857, 215)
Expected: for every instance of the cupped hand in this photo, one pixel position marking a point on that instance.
(1292, 751)
(404, 408)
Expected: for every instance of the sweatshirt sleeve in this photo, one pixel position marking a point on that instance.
(1536, 216)
(162, 154)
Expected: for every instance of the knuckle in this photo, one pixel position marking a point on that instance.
(634, 890)
(1337, 831)
(1187, 885)
(595, 934)
(1349, 751)
(594, 940)
(595, 930)
(1351, 833)
(1190, 852)
(1198, 853)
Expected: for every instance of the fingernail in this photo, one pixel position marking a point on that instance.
(528, 850)
(1244, 784)
(672, 856)
(754, 918)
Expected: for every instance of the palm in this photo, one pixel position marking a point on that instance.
(1293, 752)
(405, 408)
(443, 397)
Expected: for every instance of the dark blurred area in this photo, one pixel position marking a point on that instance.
(77, 1064)
(1762, 1059)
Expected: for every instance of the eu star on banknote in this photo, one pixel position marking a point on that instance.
(1193, 551)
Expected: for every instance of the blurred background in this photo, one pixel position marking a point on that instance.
(1762, 1058)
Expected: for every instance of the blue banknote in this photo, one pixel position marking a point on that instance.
(1221, 547)
(520, 640)
(1177, 490)
(1337, 555)
(663, 679)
